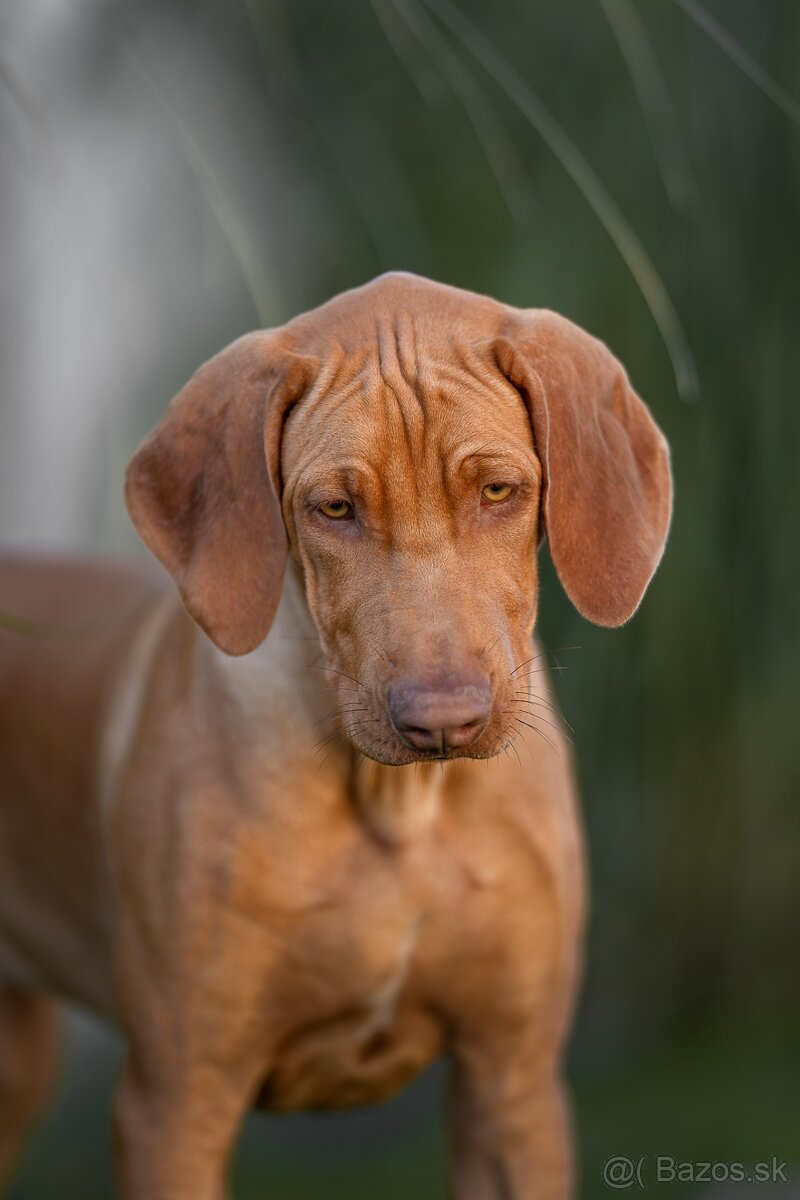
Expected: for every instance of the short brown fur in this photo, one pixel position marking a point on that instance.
(275, 923)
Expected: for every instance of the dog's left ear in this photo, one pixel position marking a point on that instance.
(204, 488)
(607, 497)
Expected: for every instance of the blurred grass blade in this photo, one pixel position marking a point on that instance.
(592, 188)
(737, 54)
(234, 231)
(654, 101)
(499, 150)
(261, 292)
(282, 68)
(31, 110)
(397, 31)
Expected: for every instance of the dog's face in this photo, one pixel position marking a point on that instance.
(409, 444)
(415, 519)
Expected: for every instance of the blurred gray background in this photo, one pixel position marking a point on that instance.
(173, 174)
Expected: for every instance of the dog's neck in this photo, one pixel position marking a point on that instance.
(398, 804)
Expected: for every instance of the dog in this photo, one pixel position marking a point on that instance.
(307, 822)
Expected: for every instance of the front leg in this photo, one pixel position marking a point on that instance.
(194, 1014)
(510, 1134)
(175, 1129)
(509, 1129)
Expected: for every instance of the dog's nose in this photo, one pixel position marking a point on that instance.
(437, 718)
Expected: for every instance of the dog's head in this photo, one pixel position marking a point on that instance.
(409, 444)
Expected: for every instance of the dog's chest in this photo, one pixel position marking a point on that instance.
(362, 981)
(363, 1035)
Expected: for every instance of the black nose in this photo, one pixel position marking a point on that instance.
(437, 718)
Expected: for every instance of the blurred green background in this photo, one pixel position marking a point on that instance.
(175, 173)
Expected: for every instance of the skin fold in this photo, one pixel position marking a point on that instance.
(306, 821)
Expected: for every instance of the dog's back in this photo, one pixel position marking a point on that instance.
(67, 622)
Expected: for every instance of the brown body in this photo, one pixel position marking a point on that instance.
(297, 868)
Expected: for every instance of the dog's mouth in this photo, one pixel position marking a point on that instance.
(383, 743)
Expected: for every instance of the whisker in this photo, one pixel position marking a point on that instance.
(347, 729)
(378, 652)
(340, 740)
(531, 695)
(549, 724)
(542, 654)
(512, 746)
(329, 752)
(343, 734)
(526, 744)
(488, 649)
(529, 689)
(333, 671)
(543, 736)
(528, 660)
(543, 670)
(549, 707)
(331, 737)
(342, 712)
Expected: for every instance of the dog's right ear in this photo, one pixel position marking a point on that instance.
(204, 488)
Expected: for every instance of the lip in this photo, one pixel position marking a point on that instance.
(405, 756)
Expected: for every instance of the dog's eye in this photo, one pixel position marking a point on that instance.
(496, 492)
(337, 510)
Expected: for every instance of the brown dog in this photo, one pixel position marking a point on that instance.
(275, 923)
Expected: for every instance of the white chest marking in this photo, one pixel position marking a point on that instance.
(382, 1003)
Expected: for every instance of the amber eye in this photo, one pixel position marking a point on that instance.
(337, 510)
(496, 492)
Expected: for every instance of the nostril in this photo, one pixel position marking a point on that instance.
(420, 738)
(437, 719)
(464, 735)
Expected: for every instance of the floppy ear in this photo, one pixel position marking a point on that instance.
(607, 496)
(203, 489)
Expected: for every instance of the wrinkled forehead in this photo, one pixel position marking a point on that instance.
(393, 418)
